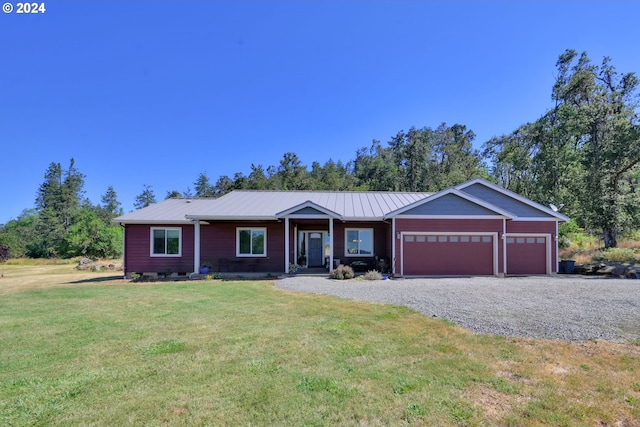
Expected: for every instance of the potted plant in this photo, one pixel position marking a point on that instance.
(302, 260)
(205, 268)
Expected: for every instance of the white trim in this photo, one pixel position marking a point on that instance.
(554, 267)
(331, 237)
(230, 218)
(547, 238)
(493, 234)
(314, 216)
(323, 234)
(252, 255)
(535, 218)
(153, 222)
(287, 261)
(455, 192)
(373, 251)
(393, 245)
(451, 217)
(504, 247)
(165, 255)
(196, 247)
(513, 195)
(308, 204)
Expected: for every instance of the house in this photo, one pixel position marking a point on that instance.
(475, 228)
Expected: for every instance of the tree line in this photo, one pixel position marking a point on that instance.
(582, 156)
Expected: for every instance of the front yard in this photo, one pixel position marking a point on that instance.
(83, 348)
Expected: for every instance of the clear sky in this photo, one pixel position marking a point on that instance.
(156, 92)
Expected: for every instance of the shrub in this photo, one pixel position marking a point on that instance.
(617, 255)
(343, 272)
(373, 275)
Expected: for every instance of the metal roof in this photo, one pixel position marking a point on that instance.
(170, 211)
(265, 204)
(346, 205)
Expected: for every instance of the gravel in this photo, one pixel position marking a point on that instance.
(569, 308)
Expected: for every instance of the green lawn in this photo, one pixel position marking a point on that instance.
(245, 353)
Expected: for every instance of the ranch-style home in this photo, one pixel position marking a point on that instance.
(475, 228)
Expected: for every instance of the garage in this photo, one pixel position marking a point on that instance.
(527, 254)
(440, 254)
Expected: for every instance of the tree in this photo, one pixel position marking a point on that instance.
(203, 187)
(292, 174)
(110, 207)
(174, 194)
(19, 234)
(257, 178)
(89, 236)
(584, 151)
(146, 198)
(57, 202)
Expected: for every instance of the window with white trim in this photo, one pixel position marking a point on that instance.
(251, 242)
(358, 242)
(166, 242)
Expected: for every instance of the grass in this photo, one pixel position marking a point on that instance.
(86, 349)
(585, 249)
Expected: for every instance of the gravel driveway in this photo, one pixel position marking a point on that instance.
(570, 308)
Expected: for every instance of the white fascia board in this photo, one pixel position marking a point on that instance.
(152, 222)
(501, 212)
(231, 218)
(513, 195)
(308, 204)
(536, 218)
(363, 219)
(453, 217)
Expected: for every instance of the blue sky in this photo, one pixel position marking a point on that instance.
(156, 92)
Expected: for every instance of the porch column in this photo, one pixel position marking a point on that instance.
(393, 246)
(196, 247)
(331, 236)
(286, 244)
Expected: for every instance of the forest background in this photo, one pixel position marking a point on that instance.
(581, 156)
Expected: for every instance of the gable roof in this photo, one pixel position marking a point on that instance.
(272, 205)
(170, 211)
(451, 197)
(475, 197)
(521, 207)
(269, 205)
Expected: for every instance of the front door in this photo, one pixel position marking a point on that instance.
(315, 250)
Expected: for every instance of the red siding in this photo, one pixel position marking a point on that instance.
(465, 254)
(138, 257)
(218, 241)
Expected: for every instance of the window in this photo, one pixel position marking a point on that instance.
(251, 242)
(166, 242)
(359, 242)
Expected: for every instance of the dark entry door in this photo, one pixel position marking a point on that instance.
(315, 250)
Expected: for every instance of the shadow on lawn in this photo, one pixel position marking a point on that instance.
(99, 279)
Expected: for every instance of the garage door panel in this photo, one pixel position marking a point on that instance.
(448, 255)
(526, 255)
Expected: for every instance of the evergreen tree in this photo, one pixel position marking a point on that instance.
(146, 198)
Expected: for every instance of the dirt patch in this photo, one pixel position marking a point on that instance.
(20, 278)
